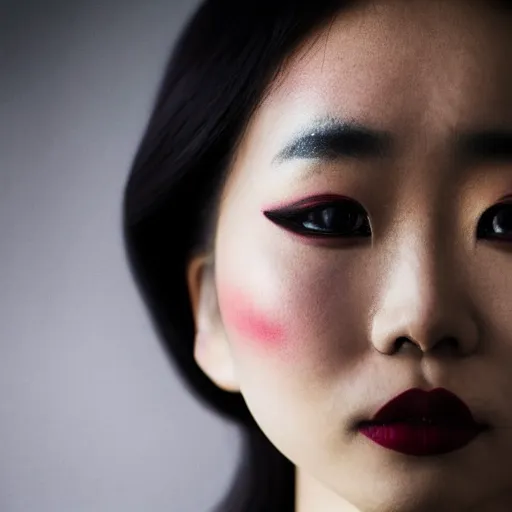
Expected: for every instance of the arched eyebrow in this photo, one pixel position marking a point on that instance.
(330, 139)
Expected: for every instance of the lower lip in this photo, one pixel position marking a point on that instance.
(421, 440)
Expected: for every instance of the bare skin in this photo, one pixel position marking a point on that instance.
(306, 327)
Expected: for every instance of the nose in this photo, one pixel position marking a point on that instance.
(422, 302)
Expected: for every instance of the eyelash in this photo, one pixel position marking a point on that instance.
(301, 220)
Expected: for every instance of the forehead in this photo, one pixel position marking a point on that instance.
(386, 40)
(395, 65)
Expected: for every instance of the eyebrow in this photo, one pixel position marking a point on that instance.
(333, 139)
(330, 139)
(487, 145)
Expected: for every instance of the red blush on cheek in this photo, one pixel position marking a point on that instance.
(238, 312)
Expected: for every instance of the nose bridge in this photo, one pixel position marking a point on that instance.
(420, 253)
(421, 296)
(416, 276)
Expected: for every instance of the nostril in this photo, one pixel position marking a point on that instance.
(399, 343)
(448, 344)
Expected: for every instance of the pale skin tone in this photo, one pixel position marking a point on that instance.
(323, 353)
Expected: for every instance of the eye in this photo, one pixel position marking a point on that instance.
(341, 219)
(496, 223)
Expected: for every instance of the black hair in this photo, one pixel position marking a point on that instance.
(226, 57)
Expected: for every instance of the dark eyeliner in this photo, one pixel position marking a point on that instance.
(291, 217)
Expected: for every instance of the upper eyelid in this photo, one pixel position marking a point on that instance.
(313, 203)
(327, 204)
(304, 205)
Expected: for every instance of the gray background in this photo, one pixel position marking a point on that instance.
(92, 417)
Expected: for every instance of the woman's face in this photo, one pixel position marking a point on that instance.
(393, 276)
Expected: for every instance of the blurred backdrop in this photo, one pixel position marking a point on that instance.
(92, 416)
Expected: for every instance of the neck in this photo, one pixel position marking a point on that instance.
(312, 496)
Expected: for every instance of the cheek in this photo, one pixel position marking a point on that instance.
(239, 312)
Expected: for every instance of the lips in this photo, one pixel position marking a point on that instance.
(423, 423)
(439, 406)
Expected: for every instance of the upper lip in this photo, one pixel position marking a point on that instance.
(416, 405)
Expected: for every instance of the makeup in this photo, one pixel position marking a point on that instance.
(323, 216)
(239, 312)
(334, 138)
(422, 423)
(308, 202)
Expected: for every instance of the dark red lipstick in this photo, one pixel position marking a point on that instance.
(423, 423)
